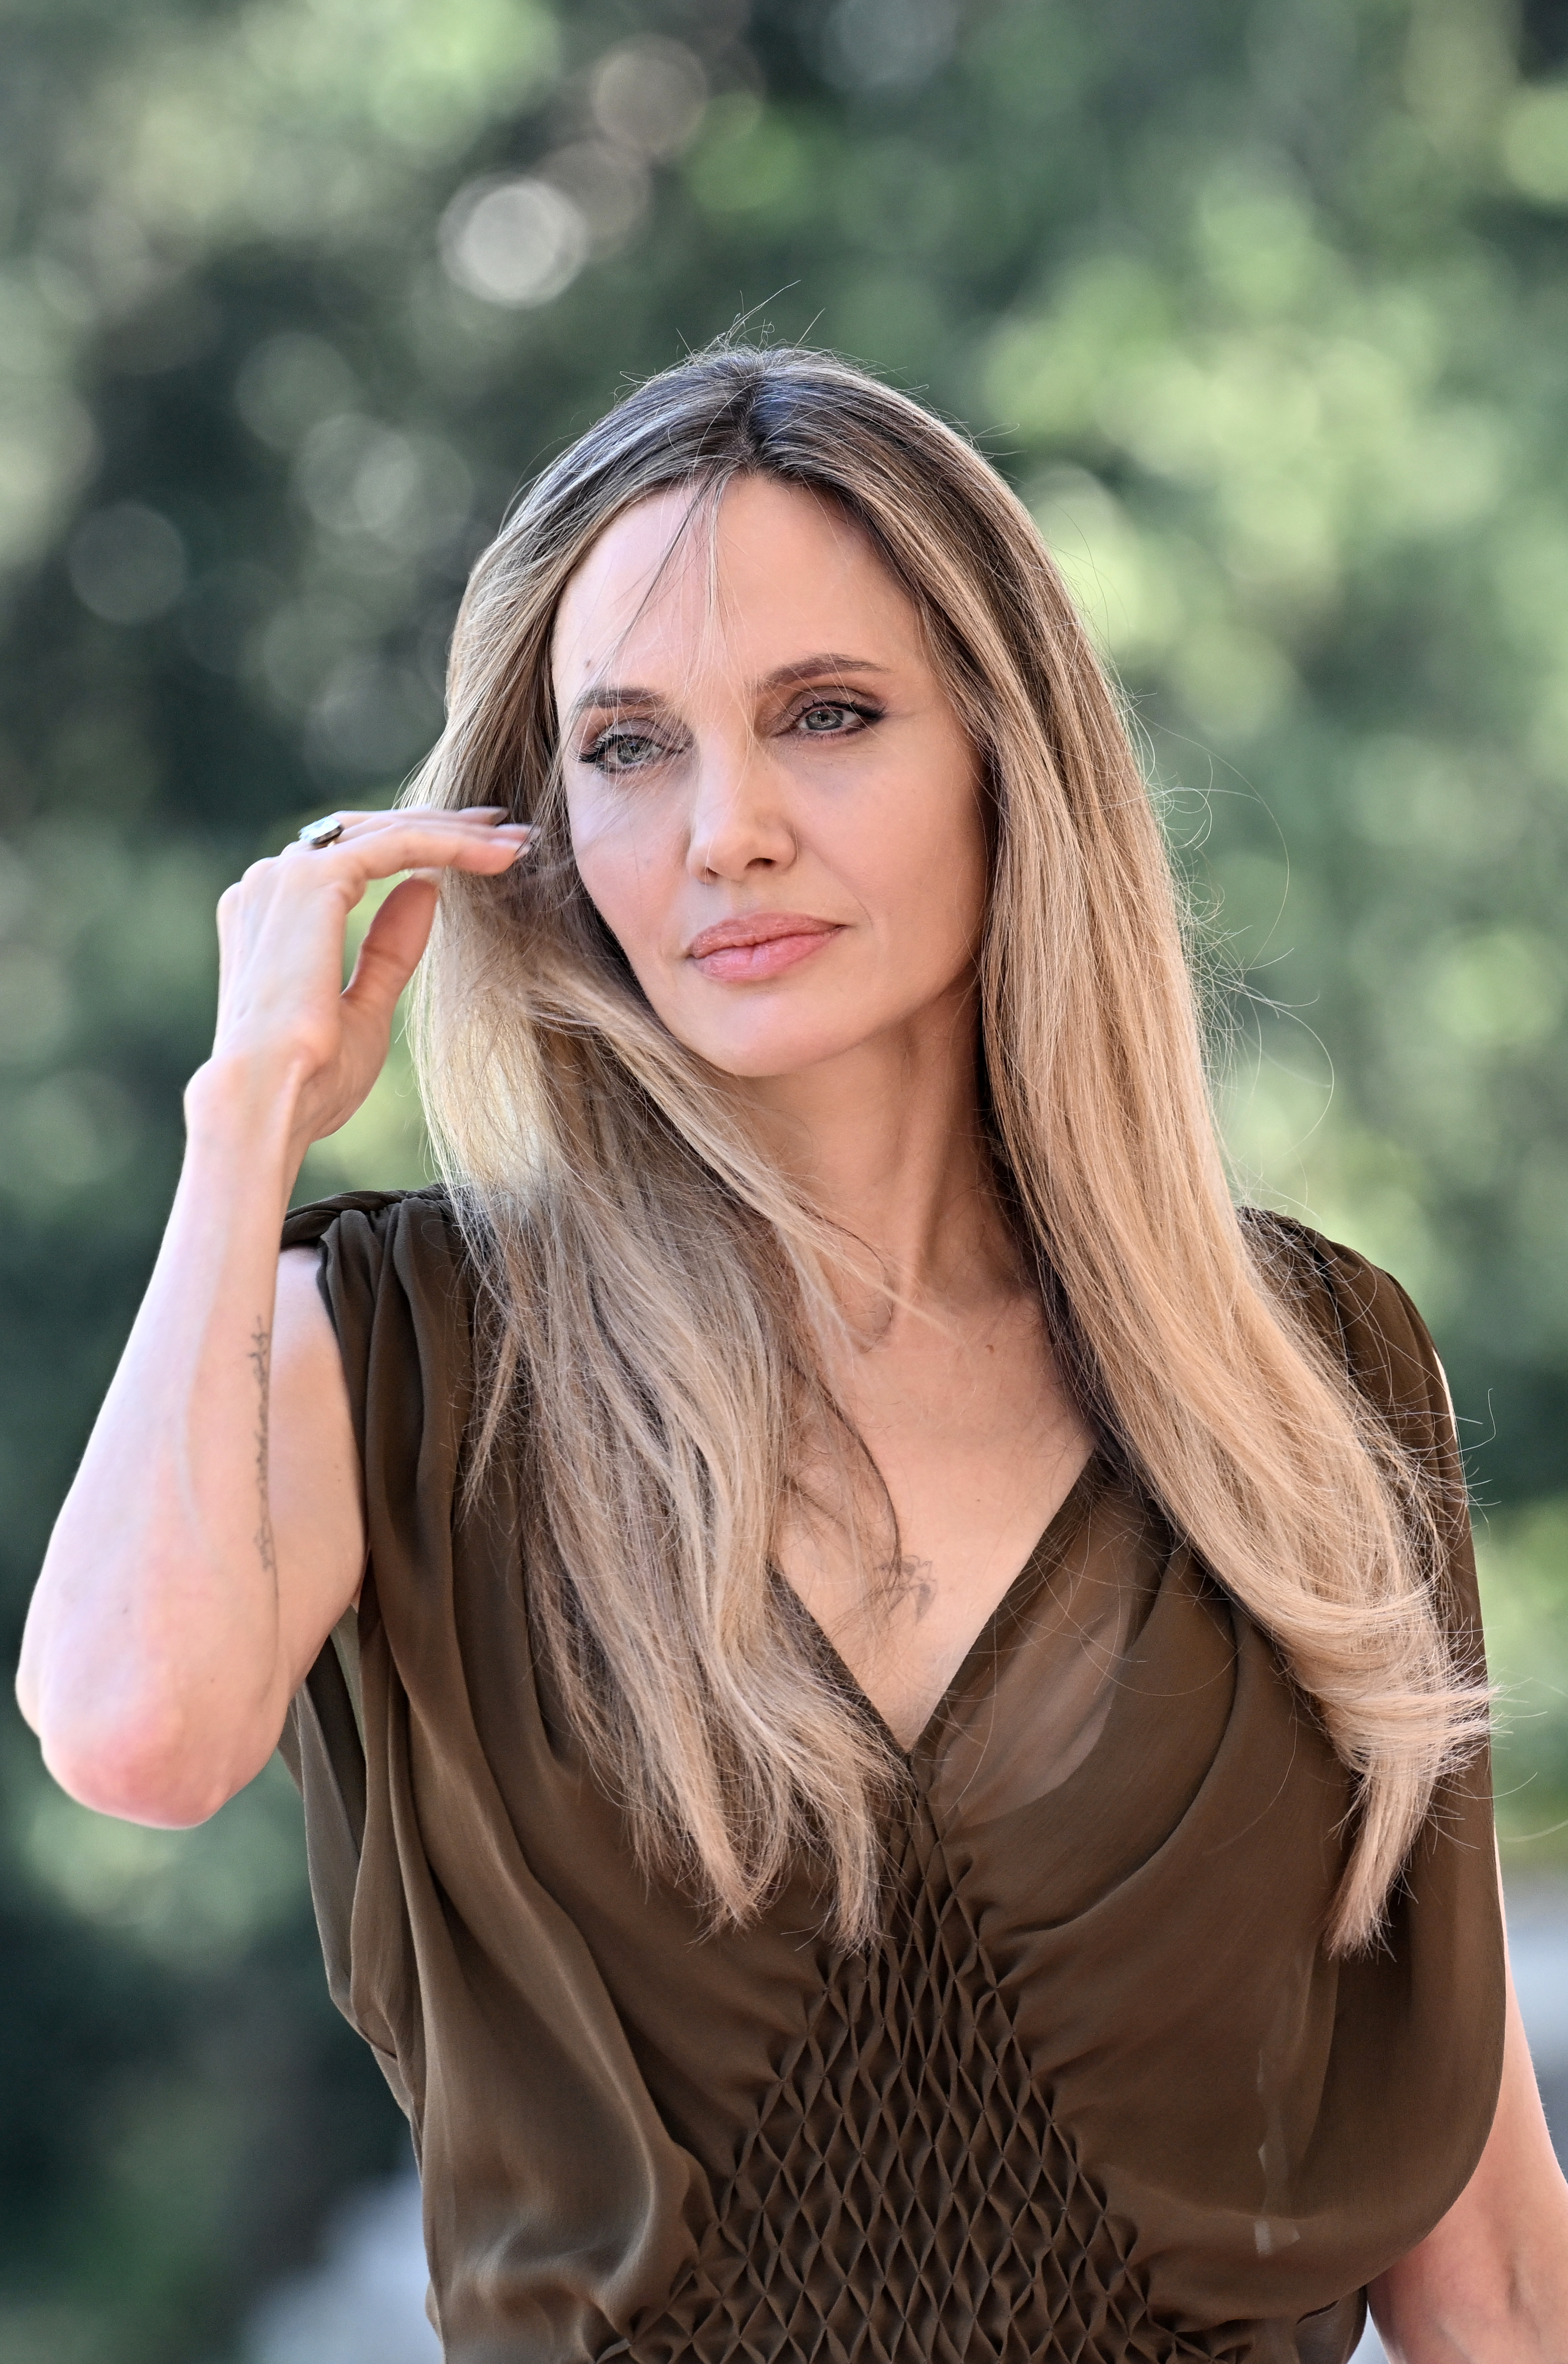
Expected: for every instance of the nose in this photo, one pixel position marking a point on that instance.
(739, 820)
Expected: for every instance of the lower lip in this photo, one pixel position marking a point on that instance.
(749, 963)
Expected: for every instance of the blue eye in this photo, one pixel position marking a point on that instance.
(623, 750)
(833, 717)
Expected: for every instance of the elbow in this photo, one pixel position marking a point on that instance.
(142, 1771)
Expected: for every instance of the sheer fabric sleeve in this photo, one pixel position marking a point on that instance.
(1365, 1314)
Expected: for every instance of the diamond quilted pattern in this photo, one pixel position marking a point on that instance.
(906, 2196)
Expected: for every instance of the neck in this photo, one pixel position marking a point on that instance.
(887, 1143)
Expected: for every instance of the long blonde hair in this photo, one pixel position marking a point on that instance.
(654, 1289)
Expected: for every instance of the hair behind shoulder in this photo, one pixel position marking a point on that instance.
(653, 1283)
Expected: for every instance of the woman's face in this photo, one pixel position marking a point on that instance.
(772, 803)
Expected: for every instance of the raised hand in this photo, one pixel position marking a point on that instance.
(286, 1020)
(215, 1533)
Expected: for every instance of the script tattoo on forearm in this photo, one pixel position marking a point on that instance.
(260, 1361)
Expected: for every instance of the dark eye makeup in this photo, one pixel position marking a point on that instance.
(835, 717)
(623, 747)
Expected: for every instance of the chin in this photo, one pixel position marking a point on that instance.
(768, 1051)
(757, 1065)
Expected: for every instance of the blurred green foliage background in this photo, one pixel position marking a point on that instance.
(1264, 308)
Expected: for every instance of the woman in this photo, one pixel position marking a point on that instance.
(897, 1771)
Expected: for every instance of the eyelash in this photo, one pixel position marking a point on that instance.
(598, 748)
(867, 713)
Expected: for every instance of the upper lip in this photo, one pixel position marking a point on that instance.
(756, 928)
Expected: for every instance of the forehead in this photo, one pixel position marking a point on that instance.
(774, 571)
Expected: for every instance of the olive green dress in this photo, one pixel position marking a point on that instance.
(1097, 2096)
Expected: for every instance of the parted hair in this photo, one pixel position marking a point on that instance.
(654, 1291)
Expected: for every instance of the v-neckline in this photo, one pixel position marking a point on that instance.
(985, 1640)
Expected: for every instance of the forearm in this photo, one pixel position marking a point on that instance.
(171, 1624)
(151, 1666)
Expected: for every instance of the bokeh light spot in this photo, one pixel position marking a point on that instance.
(513, 243)
(649, 97)
(126, 563)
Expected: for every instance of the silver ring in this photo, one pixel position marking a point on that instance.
(321, 834)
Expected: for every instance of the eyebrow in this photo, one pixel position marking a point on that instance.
(600, 695)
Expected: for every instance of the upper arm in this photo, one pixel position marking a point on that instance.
(1492, 2278)
(315, 1485)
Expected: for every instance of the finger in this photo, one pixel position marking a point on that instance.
(393, 944)
(459, 812)
(395, 841)
(354, 824)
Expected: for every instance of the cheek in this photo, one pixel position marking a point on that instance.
(931, 861)
(630, 864)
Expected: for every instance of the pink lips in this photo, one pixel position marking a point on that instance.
(763, 944)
